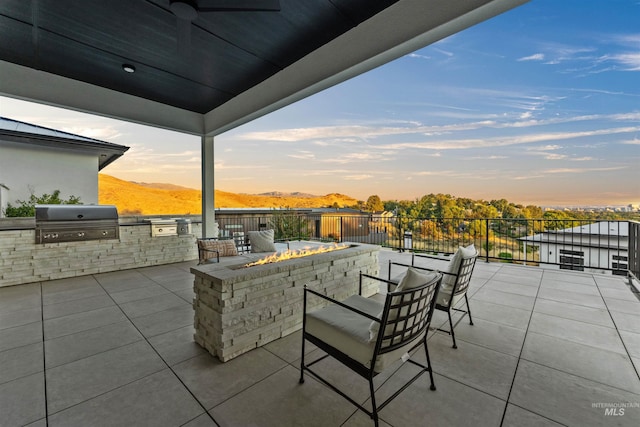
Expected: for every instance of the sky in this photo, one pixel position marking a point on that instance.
(540, 105)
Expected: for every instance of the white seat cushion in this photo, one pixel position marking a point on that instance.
(444, 295)
(449, 280)
(349, 332)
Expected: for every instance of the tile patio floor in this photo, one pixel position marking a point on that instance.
(117, 349)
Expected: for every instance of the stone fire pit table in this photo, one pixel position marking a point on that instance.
(240, 308)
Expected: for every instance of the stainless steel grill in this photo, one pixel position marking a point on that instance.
(73, 223)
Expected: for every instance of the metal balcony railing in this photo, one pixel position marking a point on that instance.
(580, 245)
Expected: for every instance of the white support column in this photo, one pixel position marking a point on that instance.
(208, 187)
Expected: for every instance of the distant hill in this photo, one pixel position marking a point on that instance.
(160, 198)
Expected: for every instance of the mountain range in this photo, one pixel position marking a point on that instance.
(140, 198)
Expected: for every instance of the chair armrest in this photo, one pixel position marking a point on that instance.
(217, 252)
(388, 282)
(333, 301)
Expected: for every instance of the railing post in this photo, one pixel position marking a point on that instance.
(486, 241)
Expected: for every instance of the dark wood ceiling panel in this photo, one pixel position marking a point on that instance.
(17, 9)
(227, 52)
(16, 42)
(59, 56)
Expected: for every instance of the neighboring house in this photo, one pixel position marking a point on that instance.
(37, 160)
(596, 247)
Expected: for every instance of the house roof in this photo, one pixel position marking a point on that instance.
(26, 133)
(218, 71)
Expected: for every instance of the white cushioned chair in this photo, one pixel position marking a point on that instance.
(368, 335)
(457, 277)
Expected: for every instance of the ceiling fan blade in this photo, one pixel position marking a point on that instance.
(238, 5)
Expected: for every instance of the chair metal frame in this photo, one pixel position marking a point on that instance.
(202, 251)
(396, 331)
(461, 285)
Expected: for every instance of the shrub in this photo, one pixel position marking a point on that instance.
(26, 208)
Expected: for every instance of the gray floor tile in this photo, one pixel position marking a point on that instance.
(571, 297)
(528, 277)
(203, 420)
(152, 305)
(69, 348)
(515, 416)
(570, 277)
(20, 362)
(78, 283)
(622, 294)
(15, 298)
(578, 332)
(40, 423)
(632, 342)
(177, 282)
(612, 282)
(288, 348)
(280, 401)
(509, 316)
(472, 365)
(504, 298)
(158, 399)
(596, 316)
(138, 293)
(75, 382)
(513, 288)
(533, 388)
(82, 290)
(629, 307)
(66, 325)
(10, 319)
(22, 401)
(176, 346)
(585, 361)
(451, 404)
(494, 336)
(626, 321)
(76, 306)
(125, 280)
(165, 321)
(571, 287)
(188, 295)
(19, 336)
(213, 382)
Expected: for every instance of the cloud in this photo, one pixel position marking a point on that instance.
(634, 141)
(583, 170)
(361, 177)
(459, 144)
(534, 57)
(628, 61)
(303, 155)
(415, 55)
(357, 157)
(582, 159)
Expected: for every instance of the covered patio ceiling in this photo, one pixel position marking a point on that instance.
(219, 70)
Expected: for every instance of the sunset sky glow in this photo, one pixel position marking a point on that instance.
(540, 105)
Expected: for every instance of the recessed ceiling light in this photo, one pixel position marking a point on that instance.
(129, 68)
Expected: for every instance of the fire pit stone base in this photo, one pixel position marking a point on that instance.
(238, 309)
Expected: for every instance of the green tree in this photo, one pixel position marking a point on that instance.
(374, 204)
(288, 224)
(27, 208)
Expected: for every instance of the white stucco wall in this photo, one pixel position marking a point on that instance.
(28, 168)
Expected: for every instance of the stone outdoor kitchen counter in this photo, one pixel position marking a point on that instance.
(240, 308)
